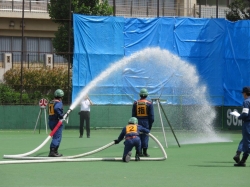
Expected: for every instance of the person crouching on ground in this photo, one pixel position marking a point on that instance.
(131, 133)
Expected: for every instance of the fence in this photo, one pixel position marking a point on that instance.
(131, 8)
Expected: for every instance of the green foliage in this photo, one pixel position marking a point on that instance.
(9, 96)
(60, 12)
(102, 9)
(239, 10)
(37, 84)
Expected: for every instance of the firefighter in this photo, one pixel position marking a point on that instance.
(143, 110)
(131, 133)
(56, 114)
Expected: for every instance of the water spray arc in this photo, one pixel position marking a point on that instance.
(165, 61)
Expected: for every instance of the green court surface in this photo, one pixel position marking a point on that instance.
(201, 161)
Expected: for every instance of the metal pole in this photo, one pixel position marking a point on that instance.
(40, 121)
(199, 8)
(194, 11)
(169, 124)
(158, 8)
(69, 49)
(114, 8)
(147, 9)
(30, 5)
(163, 130)
(217, 8)
(28, 61)
(39, 114)
(22, 55)
(163, 6)
(45, 119)
(131, 8)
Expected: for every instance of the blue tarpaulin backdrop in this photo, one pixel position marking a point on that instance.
(217, 48)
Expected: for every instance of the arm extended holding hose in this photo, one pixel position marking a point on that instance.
(65, 116)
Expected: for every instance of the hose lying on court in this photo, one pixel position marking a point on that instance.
(22, 158)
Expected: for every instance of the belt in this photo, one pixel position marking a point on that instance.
(130, 137)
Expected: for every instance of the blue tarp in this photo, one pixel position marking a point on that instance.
(171, 57)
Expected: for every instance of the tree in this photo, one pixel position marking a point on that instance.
(60, 12)
(238, 10)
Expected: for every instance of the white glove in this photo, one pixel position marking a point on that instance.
(235, 113)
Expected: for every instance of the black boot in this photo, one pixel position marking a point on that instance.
(53, 152)
(140, 154)
(137, 156)
(242, 162)
(145, 154)
(237, 157)
(56, 151)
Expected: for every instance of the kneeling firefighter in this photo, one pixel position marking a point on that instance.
(131, 134)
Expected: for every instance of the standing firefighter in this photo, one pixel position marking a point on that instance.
(245, 117)
(143, 110)
(131, 133)
(55, 114)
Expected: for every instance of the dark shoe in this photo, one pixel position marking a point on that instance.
(240, 164)
(137, 158)
(88, 136)
(236, 158)
(56, 151)
(145, 154)
(80, 136)
(141, 155)
(127, 158)
(53, 153)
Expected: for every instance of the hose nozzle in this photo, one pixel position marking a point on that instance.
(66, 114)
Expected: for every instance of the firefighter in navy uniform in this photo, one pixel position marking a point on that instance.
(131, 133)
(245, 117)
(55, 114)
(143, 110)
